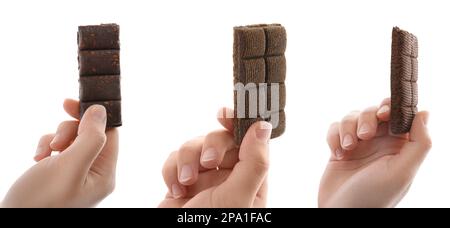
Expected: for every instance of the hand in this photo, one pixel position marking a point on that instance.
(81, 175)
(369, 166)
(212, 171)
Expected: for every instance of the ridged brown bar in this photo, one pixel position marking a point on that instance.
(258, 56)
(99, 70)
(404, 94)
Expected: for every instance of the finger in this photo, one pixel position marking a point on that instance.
(347, 131)
(188, 158)
(208, 179)
(367, 123)
(249, 173)
(382, 129)
(215, 147)
(170, 175)
(384, 110)
(225, 117)
(105, 164)
(90, 141)
(414, 152)
(385, 101)
(65, 134)
(72, 107)
(334, 142)
(43, 149)
(169, 202)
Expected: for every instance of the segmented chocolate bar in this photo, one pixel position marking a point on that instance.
(259, 68)
(99, 69)
(404, 93)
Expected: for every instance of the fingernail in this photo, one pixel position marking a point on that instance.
(220, 114)
(339, 154)
(364, 129)
(348, 141)
(176, 191)
(383, 109)
(186, 173)
(99, 113)
(263, 131)
(210, 154)
(225, 113)
(55, 139)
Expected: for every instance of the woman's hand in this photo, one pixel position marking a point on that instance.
(211, 171)
(370, 167)
(81, 175)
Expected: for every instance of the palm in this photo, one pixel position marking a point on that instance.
(105, 163)
(201, 194)
(201, 191)
(366, 168)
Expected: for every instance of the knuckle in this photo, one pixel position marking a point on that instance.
(186, 149)
(333, 126)
(45, 137)
(262, 167)
(427, 143)
(212, 134)
(385, 101)
(61, 125)
(64, 124)
(348, 119)
(167, 165)
(109, 186)
(262, 164)
(333, 133)
(369, 111)
(99, 136)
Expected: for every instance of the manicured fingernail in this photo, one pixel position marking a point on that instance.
(176, 191)
(186, 174)
(339, 154)
(210, 154)
(225, 113)
(220, 114)
(348, 141)
(99, 113)
(55, 139)
(383, 109)
(364, 129)
(263, 131)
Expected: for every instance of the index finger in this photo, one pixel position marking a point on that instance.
(72, 107)
(384, 110)
(225, 117)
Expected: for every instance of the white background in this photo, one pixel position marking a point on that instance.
(176, 61)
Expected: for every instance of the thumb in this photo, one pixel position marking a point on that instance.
(249, 173)
(90, 140)
(414, 152)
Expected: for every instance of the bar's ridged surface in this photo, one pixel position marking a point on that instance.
(404, 94)
(258, 56)
(99, 69)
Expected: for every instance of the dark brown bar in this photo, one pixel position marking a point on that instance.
(99, 69)
(113, 111)
(258, 56)
(404, 74)
(100, 37)
(94, 88)
(279, 130)
(100, 62)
